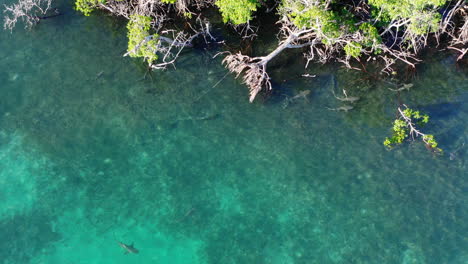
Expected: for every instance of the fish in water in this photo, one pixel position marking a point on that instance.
(309, 75)
(207, 117)
(99, 75)
(403, 87)
(129, 249)
(344, 108)
(302, 94)
(350, 99)
(453, 154)
(346, 98)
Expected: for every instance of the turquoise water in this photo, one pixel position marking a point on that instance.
(93, 150)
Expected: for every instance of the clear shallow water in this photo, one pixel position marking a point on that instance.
(88, 160)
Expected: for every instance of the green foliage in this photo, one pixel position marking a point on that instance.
(429, 139)
(168, 1)
(425, 22)
(331, 24)
(400, 133)
(325, 22)
(138, 34)
(237, 11)
(353, 49)
(371, 34)
(401, 130)
(87, 6)
(422, 14)
(416, 115)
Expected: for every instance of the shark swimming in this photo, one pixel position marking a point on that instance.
(344, 108)
(346, 98)
(129, 248)
(403, 87)
(302, 94)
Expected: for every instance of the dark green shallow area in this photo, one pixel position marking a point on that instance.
(92, 151)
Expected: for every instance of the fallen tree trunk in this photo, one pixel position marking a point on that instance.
(256, 76)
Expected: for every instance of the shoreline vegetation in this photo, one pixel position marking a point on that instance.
(389, 35)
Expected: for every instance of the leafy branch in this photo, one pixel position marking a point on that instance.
(405, 126)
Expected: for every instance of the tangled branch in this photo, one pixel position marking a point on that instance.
(254, 68)
(460, 36)
(255, 75)
(169, 48)
(28, 11)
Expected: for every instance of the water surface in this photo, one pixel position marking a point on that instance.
(95, 150)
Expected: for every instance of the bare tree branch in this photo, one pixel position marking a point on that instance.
(255, 75)
(27, 11)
